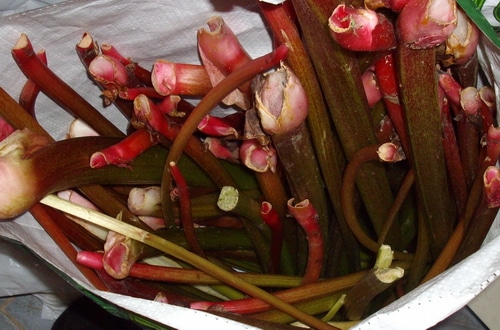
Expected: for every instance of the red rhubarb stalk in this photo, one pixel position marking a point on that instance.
(307, 216)
(272, 219)
(185, 209)
(292, 296)
(385, 72)
(453, 159)
(215, 126)
(125, 151)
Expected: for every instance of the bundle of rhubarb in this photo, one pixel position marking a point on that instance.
(310, 186)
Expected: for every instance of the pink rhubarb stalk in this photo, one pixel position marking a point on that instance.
(120, 253)
(371, 88)
(426, 23)
(111, 74)
(491, 179)
(257, 157)
(138, 71)
(130, 94)
(307, 217)
(453, 158)
(180, 78)
(221, 53)
(281, 101)
(361, 29)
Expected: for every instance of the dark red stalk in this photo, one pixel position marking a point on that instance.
(144, 290)
(468, 134)
(125, 151)
(185, 209)
(87, 49)
(30, 90)
(477, 230)
(474, 208)
(307, 217)
(271, 217)
(60, 92)
(453, 160)
(328, 157)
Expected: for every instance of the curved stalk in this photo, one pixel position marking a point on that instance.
(347, 196)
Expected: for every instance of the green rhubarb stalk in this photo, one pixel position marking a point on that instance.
(314, 307)
(230, 200)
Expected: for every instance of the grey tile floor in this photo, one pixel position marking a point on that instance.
(22, 312)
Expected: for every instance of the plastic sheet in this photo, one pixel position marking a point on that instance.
(147, 30)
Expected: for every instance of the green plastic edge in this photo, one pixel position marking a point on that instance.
(478, 18)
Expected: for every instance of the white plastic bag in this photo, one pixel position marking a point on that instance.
(147, 30)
